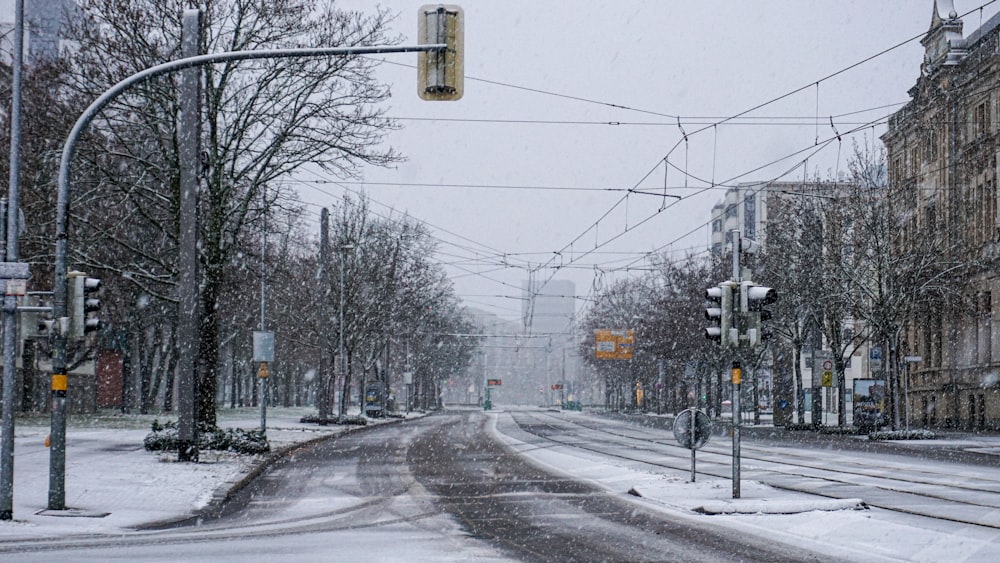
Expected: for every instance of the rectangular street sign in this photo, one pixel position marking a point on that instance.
(614, 344)
(15, 270)
(493, 383)
(263, 346)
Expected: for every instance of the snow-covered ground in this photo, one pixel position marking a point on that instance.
(113, 483)
(828, 526)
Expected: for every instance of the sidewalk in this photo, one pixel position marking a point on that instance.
(114, 484)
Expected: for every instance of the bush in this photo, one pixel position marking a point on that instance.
(352, 419)
(249, 442)
(902, 435)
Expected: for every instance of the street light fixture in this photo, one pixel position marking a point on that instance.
(344, 249)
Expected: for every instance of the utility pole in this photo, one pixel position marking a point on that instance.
(736, 373)
(323, 389)
(263, 375)
(188, 329)
(9, 300)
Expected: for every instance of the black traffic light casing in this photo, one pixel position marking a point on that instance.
(720, 311)
(82, 301)
(754, 300)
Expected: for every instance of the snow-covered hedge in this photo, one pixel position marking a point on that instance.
(902, 435)
(345, 419)
(164, 438)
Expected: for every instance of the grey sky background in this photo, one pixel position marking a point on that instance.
(586, 94)
(700, 60)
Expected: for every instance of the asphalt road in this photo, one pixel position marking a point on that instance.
(536, 516)
(431, 489)
(447, 464)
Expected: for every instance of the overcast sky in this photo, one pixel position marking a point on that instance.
(541, 116)
(546, 83)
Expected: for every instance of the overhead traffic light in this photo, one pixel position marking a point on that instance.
(753, 302)
(720, 312)
(35, 317)
(82, 301)
(441, 74)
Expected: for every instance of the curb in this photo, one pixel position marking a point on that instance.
(226, 490)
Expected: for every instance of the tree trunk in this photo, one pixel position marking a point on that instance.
(207, 364)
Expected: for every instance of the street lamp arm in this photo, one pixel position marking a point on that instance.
(88, 115)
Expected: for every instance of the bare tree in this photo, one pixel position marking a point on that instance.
(263, 120)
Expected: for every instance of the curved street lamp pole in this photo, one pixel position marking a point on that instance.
(57, 458)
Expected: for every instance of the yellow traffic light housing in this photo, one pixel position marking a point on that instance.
(441, 74)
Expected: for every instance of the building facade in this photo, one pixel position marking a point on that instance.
(943, 160)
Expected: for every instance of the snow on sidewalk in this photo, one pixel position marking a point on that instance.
(114, 484)
(834, 528)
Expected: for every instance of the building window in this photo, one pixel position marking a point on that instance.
(717, 226)
(731, 211)
(932, 145)
(981, 117)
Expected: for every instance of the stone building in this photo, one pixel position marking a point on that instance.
(942, 158)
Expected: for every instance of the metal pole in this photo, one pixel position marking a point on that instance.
(340, 346)
(340, 337)
(906, 398)
(693, 413)
(659, 387)
(736, 373)
(323, 390)
(188, 329)
(10, 302)
(264, 375)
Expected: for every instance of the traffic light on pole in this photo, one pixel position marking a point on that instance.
(82, 301)
(441, 74)
(720, 312)
(753, 302)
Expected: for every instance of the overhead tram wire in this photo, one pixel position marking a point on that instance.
(461, 268)
(495, 251)
(815, 150)
(713, 125)
(487, 278)
(788, 94)
(822, 145)
(748, 120)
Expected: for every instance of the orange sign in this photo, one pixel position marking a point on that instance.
(614, 344)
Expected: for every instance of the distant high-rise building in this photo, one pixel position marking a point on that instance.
(45, 22)
(550, 356)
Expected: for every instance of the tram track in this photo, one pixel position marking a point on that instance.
(924, 492)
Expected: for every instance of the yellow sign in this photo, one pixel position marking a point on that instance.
(737, 376)
(614, 344)
(827, 379)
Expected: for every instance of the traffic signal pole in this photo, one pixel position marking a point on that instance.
(737, 310)
(11, 255)
(736, 373)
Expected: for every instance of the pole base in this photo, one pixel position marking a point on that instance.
(187, 451)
